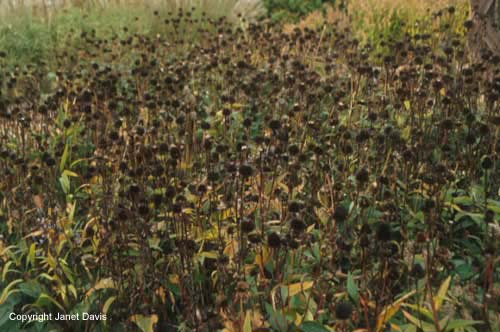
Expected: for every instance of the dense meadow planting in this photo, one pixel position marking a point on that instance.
(239, 177)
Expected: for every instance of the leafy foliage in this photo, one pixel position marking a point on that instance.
(293, 10)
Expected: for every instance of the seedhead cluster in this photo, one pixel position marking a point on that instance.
(251, 176)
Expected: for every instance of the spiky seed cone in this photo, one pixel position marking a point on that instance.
(343, 310)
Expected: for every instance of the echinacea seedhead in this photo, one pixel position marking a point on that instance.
(384, 232)
(417, 271)
(273, 240)
(487, 163)
(343, 310)
(246, 170)
(295, 206)
(297, 225)
(362, 175)
(247, 225)
(341, 213)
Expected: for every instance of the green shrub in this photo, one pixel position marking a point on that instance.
(293, 10)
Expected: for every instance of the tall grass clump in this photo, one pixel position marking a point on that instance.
(376, 20)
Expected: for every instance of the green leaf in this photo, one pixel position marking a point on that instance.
(107, 304)
(420, 216)
(444, 321)
(299, 287)
(70, 173)
(463, 200)
(5, 309)
(443, 289)
(64, 157)
(284, 292)
(72, 289)
(460, 324)
(45, 276)
(8, 291)
(13, 325)
(65, 184)
(31, 255)
(145, 323)
(426, 327)
(316, 251)
(101, 284)
(45, 299)
(6, 269)
(312, 327)
(420, 309)
(352, 288)
(391, 310)
(67, 271)
(31, 288)
(247, 326)
(464, 270)
(276, 319)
